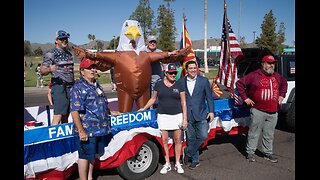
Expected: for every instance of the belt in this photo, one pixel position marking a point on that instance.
(59, 81)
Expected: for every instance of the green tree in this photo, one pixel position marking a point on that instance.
(144, 15)
(114, 43)
(281, 37)
(268, 37)
(27, 48)
(167, 29)
(38, 52)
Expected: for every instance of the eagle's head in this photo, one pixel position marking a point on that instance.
(131, 37)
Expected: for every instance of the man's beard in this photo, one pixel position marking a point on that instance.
(268, 71)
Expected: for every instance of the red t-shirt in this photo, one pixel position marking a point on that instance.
(267, 94)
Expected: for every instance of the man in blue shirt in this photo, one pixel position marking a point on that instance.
(91, 118)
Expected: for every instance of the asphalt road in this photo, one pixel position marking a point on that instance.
(222, 159)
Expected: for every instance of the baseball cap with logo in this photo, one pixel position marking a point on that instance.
(269, 59)
(171, 67)
(62, 34)
(85, 63)
(152, 38)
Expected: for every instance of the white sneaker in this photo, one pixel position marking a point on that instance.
(178, 168)
(165, 169)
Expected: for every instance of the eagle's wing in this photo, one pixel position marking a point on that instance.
(103, 60)
(164, 58)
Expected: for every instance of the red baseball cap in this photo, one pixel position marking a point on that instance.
(269, 59)
(85, 63)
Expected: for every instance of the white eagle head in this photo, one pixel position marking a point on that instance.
(131, 30)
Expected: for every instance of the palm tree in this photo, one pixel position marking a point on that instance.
(89, 37)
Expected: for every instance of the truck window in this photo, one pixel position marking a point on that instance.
(288, 67)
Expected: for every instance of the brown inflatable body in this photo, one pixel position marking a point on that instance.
(132, 72)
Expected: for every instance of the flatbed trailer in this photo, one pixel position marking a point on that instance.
(134, 148)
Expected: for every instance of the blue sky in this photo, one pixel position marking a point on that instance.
(104, 18)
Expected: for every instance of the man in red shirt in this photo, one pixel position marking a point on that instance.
(263, 90)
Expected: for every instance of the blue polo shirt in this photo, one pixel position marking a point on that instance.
(92, 104)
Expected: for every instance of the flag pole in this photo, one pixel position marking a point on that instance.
(228, 43)
(184, 19)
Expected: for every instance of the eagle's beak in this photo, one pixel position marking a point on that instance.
(133, 32)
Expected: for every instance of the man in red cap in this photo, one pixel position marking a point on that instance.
(91, 120)
(263, 90)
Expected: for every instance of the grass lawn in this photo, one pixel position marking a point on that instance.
(31, 76)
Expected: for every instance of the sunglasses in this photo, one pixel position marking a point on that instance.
(63, 33)
(270, 62)
(63, 39)
(175, 73)
(150, 42)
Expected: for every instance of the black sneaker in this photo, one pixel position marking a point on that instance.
(271, 158)
(250, 158)
(193, 165)
(185, 158)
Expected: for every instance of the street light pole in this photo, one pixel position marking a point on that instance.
(206, 70)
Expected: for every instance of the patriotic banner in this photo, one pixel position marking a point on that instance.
(186, 42)
(229, 55)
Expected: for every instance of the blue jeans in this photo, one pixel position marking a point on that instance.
(197, 132)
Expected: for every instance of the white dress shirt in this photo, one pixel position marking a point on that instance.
(190, 84)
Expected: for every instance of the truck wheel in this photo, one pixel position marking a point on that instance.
(143, 164)
(290, 118)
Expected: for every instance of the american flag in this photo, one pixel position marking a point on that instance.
(186, 42)
(292, 67)
(229, 55)
(237, 99)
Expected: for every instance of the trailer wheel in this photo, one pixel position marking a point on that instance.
(143, 164)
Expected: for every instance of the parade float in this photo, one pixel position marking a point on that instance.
(135, 143)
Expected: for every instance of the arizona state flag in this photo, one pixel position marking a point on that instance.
(215, 88)
(186, 42)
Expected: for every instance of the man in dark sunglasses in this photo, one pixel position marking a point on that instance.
(59, 63)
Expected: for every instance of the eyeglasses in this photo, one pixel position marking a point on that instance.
(171, 73)
(150, 42)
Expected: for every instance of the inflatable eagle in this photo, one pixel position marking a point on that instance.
(132, 67)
